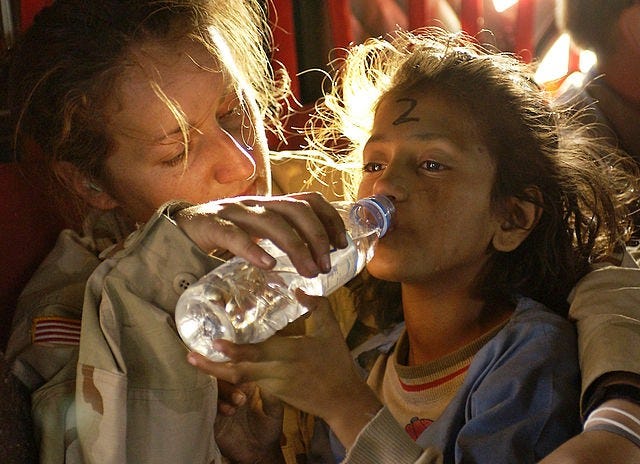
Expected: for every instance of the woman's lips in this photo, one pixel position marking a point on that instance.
(251, 191)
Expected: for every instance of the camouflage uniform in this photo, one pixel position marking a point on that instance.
(105, 366)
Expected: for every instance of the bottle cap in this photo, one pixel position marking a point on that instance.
(378, 209)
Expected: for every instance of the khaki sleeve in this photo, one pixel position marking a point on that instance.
(606, 307)
(43, 347)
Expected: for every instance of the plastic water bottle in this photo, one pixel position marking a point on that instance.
(245, 304)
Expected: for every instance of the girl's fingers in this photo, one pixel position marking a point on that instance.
(271, 405)
(230, 397)
(321, 321)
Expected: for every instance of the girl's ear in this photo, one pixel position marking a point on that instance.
(520, 217)
(82, 185)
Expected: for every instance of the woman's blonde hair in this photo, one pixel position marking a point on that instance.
(66, 67)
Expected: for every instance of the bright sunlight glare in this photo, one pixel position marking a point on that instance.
(555, 63)
(503, 5)
(587, 59)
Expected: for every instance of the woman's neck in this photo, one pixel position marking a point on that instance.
(441, 322)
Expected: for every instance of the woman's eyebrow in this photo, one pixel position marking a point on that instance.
(166, 135)
(178, 130)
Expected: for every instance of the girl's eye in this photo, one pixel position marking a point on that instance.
(372, 167)
(431, 165)
(179, 158)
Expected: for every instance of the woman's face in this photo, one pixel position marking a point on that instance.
(426, 153)
(227, 151)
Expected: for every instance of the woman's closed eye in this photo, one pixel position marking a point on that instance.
(179, 158)
(234, 112)
(231, 113)
(231, 117)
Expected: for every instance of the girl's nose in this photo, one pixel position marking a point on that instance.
(392, 184)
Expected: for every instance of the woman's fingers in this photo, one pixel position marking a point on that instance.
(332, 221)
(294, 227)
(214, 234)
(304, 226)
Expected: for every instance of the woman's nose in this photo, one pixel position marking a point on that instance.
(233, 161)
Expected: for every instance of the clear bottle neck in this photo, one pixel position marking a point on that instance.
(373, 213)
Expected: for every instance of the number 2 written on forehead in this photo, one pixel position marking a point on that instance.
(404, 117)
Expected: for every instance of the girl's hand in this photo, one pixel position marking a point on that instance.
(305, 226)
(313, 372)
(252, 433)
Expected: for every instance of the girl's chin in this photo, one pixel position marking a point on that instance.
(383, 271)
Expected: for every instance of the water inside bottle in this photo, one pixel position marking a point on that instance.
(243, 304)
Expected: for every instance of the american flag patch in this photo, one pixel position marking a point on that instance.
(56, 331)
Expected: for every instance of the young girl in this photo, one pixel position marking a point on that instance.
(501, 207)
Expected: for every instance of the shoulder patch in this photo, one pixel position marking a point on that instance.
(55, 331)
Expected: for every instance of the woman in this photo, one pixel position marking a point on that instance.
(132, 106)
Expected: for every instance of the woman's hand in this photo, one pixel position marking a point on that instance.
(595, 447)
(313, 373)
(305, 226)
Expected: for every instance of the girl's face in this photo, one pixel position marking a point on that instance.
(227, 151)
(426, 153)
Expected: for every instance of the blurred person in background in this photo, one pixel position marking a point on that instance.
(610, 90)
